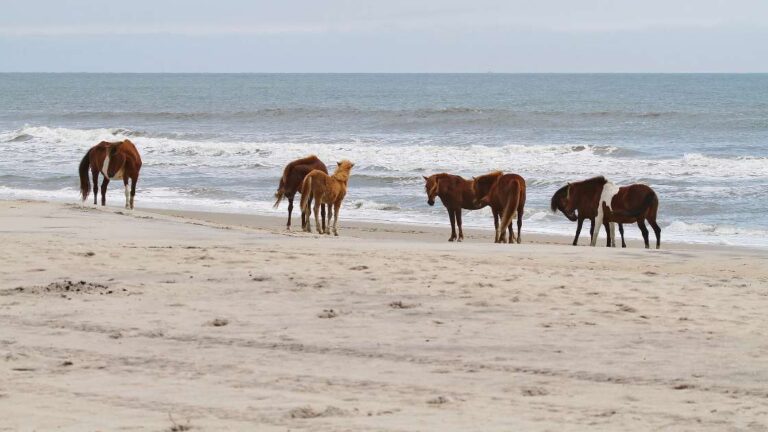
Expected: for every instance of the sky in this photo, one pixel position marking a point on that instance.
(384, 36)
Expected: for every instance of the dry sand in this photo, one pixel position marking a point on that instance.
(115, 320)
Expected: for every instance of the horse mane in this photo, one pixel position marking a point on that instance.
(495, 173)
(594, 180)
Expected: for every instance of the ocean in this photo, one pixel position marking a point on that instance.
(219, 141)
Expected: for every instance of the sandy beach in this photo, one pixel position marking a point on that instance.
(159, 320)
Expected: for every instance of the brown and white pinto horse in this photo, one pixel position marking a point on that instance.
(290, 183)
(507, 200)
(611, 204)
(628, 204)
(115, 161)
(584, 204)
(456, 193)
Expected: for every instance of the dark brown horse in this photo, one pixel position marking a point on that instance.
(456, 193)
(506, 197)
(584, 206)
(290, 183)
(608, 204)
(115, 161)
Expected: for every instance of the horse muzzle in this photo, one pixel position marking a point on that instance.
(431, 202)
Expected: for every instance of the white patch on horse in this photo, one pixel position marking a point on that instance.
(105, 165)
(105, 168)
(606, 197)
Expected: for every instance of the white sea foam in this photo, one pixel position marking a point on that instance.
(240, 176)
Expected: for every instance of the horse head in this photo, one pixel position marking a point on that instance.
(431, 187)
(563, 200)
(116, 160)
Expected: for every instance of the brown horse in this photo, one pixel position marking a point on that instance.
(325, 189)
(290, 183)
(115, 161)
(605, 204)
(628, 204)
(584, 204)
(507, 200)
(457, 193)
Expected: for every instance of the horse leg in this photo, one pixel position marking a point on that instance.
(336, 208)
(308, 219)
(613, 233)
(657, 231)
(318, 225)
(452, 217)
(579, 223)
(290, 211)
(322, 217)
(104, 191)
(127, 193)
(95, 175)
(458, 222)
(598, 221)
(644, 230)
(621, 231)
(519, 225)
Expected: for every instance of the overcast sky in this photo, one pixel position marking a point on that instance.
(384, 36)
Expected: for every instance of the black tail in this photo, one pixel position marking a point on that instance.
(650, 200)
(85, 181)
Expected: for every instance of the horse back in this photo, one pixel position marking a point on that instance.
(295, 172)
(455, 191)
(633, 202)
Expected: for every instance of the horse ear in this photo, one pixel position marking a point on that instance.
(338, 163)
(425, 177)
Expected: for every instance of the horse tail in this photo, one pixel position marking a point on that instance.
(85, 181)
(281, 186)
(651, 200)
(279, 194)
(306, 190)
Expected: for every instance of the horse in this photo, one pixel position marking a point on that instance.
(325, 189)
(507, 200)
(584, 204)
(290, 183)
(457, 193)
(115, 161)
(628, 204)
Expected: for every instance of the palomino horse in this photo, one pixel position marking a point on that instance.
(290, 183)
(507, 200)
(628, 204)
(456, 193)
(325, 189)
(114, 160)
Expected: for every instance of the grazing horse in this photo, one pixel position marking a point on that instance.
(114, 160)
(325, 189)
(290, 183)
(584, 204)
(507, 200)
(628, 204)
(457, 193)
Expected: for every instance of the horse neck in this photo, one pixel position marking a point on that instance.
(341, 175)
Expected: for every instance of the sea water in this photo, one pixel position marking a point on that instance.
(219, 141)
